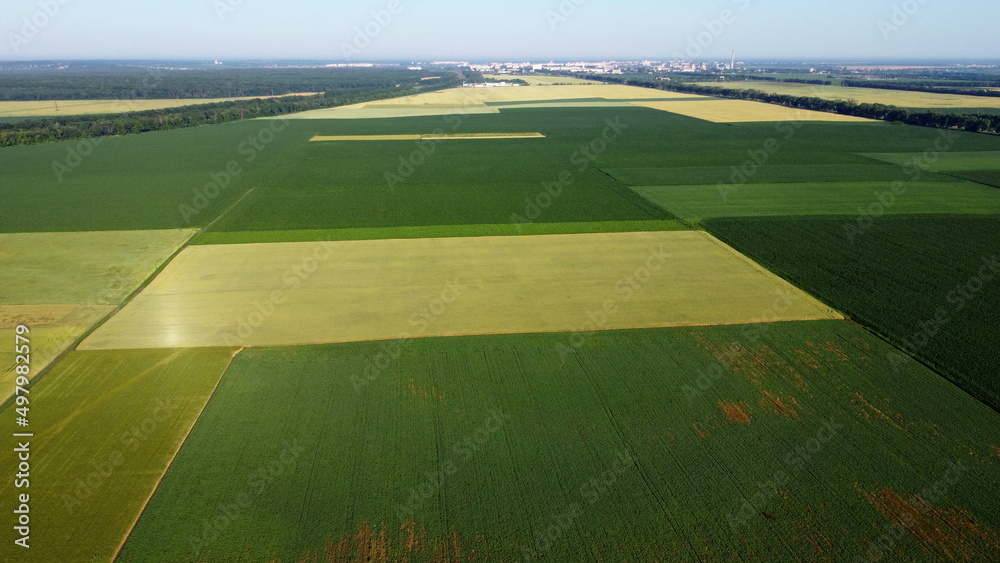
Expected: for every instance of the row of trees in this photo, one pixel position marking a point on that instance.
(132, 84)
(975, 123)
(36, 131)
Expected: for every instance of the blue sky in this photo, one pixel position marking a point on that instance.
(513, 29)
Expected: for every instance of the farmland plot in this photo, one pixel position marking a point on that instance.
(311, 293)
(929, 283)
(832, 198)
(106, 426)
(800, 441)
(95, 268)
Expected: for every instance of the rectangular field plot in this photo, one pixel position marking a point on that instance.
(834, 198)
(931, 285)
(96, 268)
(798, 442)
(944, 162)
(741, 111)
(770, 174)
(106, 425)
(304, 293)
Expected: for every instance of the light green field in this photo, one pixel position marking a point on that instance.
(830, 198)
(439, 231)
(54, 328)
(944, 162)
(93, 268)
(106, 425)
(741, 111)
(899, 98)
(303, 293)
(50, 108)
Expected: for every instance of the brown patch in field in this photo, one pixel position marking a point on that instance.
(701, 433)
(411, 543)
(34, 316)
(424, 393)
(736, 412)
(760, 366)
(770, 400)
(674, 438)
(996, 450)
(808, 359)
(947, 533)
(867, 408)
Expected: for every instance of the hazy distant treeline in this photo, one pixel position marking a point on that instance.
(188, 84)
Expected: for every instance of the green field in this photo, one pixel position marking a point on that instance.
(831, 198)
(492, 448)
(160, 180)
(106, 426)
(920, 281)
(440, 231)
(945, 162)
(773, 174)
(986, 177)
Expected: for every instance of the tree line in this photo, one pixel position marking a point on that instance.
(975, 123)
(43, 130)
(156, 84)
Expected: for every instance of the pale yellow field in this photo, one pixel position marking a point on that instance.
(265, 295)
(474, 100)
(868, 95)
(54, 328)
(739, 111)
(540, 79)
(89, 107)
(484, 136)
(98, 268)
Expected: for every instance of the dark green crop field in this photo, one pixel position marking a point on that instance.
(796, 441)
(931, 284)
(985, 177)
(772, 174)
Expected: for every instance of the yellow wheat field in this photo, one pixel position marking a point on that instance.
(327, 292)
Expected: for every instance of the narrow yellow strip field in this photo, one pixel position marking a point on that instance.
(442, 137)
(327, 292)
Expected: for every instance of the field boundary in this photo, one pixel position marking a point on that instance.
(170, 463)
